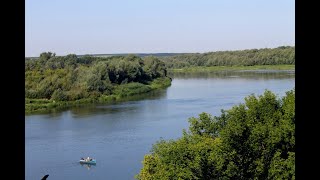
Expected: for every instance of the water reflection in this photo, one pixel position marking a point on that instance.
(88, 166)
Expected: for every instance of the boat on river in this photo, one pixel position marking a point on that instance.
(87, 161)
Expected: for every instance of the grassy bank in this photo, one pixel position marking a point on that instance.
(120, 93)
(233, 68)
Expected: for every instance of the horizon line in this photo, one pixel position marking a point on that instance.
(146, 53)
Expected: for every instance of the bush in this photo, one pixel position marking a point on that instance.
(124, 90)
(59, 95)
(33, 94)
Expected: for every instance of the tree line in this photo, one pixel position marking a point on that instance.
(253, 140)
(266, 56)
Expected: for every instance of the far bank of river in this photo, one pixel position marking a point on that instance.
(233, 68)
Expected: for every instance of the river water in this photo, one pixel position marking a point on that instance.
(118, 135)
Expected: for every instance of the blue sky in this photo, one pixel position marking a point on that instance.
(153, 26)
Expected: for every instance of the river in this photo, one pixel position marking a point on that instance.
(118, 135)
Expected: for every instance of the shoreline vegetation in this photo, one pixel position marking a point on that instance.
(234, 68)
(283, 55)
(53, 82)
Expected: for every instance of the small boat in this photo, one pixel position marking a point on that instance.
(87, 161)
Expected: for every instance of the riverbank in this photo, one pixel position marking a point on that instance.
(233, 68)
(121, 92)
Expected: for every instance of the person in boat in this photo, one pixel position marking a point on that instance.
(82, 159)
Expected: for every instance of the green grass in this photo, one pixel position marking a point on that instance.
(234, 68)
(131, 89)
(121, 92)
(160, 83)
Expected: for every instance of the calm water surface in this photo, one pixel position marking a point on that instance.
(118, 135)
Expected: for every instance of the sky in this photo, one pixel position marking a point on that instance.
(156, 26)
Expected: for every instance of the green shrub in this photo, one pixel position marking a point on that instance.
(59, 95)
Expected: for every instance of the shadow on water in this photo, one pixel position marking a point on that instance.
(243, 74)
(125, 105)
(53, 112)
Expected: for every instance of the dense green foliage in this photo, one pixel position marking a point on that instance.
(233, 68)
(251, 57)
(253, 140)
(52, 81)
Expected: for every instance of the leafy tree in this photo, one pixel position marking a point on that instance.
(186, 158)
(59, 95)
(153, 67)
(46, 55)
